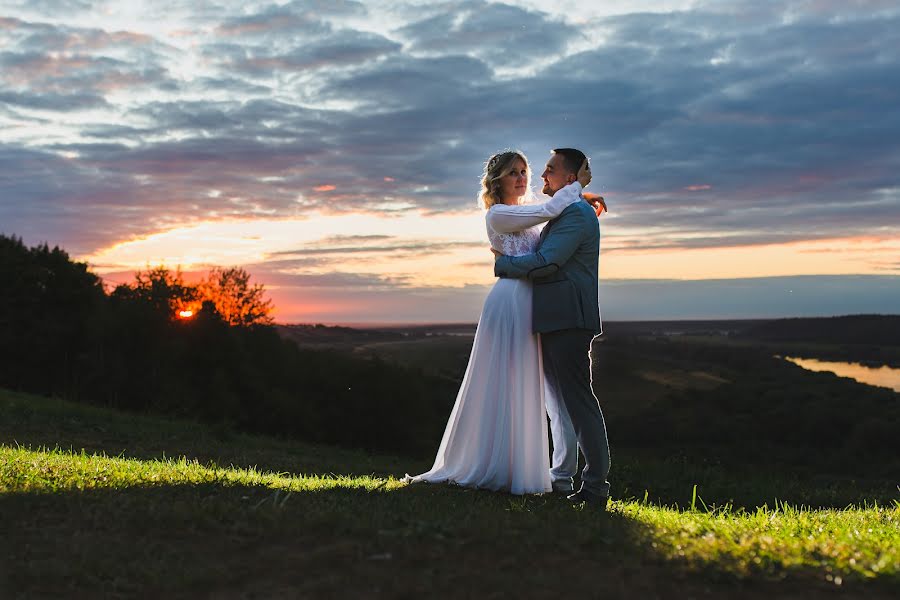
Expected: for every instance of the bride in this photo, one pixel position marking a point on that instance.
(496, 437)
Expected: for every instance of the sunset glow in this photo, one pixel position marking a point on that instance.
(336, 153)
(418, 249)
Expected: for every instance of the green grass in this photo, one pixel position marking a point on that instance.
(97, 503)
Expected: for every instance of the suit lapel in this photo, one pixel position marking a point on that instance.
(546, 229)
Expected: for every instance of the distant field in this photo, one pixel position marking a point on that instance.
(98, 503)
(443, 355)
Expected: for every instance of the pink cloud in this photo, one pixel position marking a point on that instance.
(92, 39)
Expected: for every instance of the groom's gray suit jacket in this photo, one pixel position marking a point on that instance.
(564, 272)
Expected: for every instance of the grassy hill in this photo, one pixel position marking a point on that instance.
(98, 503)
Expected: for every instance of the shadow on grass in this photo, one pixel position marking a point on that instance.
(670, 480)
(53, 423)
(219, 540)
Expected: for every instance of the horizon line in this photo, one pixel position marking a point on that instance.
(379, 324)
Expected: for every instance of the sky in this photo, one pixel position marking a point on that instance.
(749, 151)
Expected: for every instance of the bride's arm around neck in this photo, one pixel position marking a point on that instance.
(508, 218)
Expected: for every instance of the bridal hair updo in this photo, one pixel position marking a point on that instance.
(494, 169)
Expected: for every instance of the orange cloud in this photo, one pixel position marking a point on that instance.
(324, 188)
(698, 188)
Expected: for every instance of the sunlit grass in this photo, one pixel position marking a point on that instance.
(861, 542)
(854, 543)
(48, 471)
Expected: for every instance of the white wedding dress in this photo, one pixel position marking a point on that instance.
(496, 437)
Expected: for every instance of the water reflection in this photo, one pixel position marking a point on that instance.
(881, 376)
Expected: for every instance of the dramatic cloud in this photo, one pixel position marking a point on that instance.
(500, 34)
(711, 125)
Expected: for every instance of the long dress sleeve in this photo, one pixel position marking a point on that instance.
(505, 218)
(555, 251)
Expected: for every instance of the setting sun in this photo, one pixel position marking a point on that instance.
(185, 314)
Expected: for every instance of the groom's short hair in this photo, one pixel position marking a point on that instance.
(572, 158)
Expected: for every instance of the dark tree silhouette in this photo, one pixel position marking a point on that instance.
(61, 334)
(47, 304)
(163, 289)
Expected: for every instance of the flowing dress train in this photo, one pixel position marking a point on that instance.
(496, 436)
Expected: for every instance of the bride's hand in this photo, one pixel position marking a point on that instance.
(596, 201)
(584, 173)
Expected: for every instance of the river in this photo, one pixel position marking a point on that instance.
(881, 376)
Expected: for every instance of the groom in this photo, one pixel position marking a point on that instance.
(566, 314)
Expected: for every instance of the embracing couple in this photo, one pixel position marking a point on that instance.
(531, 354)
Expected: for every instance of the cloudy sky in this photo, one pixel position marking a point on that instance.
(749, 150)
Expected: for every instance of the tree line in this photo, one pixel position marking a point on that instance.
(872, 330)
(206, 351)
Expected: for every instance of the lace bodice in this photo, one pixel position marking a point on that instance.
(515, 230)
(516, 243)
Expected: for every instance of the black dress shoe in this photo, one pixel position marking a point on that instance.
(563, 487)
(592, 500)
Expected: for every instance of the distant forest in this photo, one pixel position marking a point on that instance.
(877, 330)
(204, 351)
